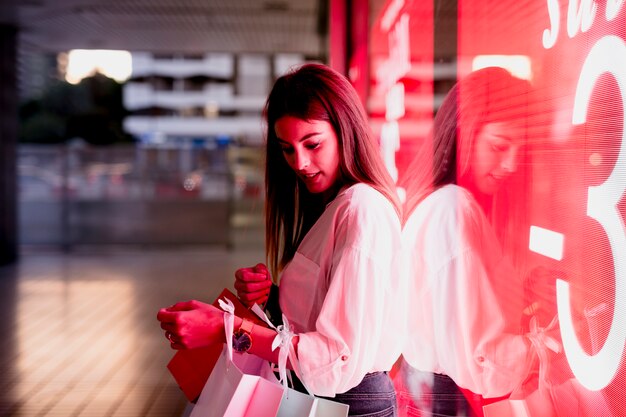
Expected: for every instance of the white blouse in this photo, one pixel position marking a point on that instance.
(465, 299)
(341, 289)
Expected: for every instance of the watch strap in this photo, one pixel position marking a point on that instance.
(246, 326)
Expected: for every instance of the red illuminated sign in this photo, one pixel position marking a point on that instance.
(573, 210)
(400, 102)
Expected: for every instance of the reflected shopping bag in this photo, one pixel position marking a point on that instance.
(534, 396)
(239, 388)
(521, 403)
(568, 399)
(546, 393)
(571, 399)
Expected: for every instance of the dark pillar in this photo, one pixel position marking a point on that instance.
(358, 48)
(8, 140)
(338, 35)
(445, 28)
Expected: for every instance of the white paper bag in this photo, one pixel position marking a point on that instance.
(234, 390)
(297, 404)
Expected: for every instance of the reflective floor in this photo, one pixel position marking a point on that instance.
(78, 331)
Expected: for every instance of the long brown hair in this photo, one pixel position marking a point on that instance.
(485, 96)
(314, 92)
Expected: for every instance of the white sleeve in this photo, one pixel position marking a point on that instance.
(353, 324)
(473, 341)
(465, 321)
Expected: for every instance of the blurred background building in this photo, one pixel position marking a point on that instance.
(181, 117)
(140, 184)
(131, 177)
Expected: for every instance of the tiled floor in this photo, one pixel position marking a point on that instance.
(79, 335)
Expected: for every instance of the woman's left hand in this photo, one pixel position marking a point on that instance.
(192, 324)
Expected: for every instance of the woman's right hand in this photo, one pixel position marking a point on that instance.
(192, 324)
(253, 285)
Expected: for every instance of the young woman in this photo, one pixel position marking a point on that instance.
(466, 305)
(332, 238)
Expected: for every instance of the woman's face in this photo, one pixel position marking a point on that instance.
(311, 149)
(494, 157)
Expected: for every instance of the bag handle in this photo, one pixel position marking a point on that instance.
(282, 341)
(229, 324)
(541, 343)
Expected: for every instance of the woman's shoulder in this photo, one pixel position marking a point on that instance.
(361, 190)
(450, 198)
(449, 204)
(453, 192)
(362, 206)
(365, 218)
(362, 197)
(446, 223)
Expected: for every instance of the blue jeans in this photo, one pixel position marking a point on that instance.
(373, 397)
(422, 393)
(448, 400)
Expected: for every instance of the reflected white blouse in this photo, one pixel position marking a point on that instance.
(340, 292)
(465, 299)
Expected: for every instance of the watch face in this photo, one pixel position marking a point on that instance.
(241, 341)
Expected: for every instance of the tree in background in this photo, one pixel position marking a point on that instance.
(92, 110)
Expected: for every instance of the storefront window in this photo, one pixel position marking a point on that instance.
(559, 215)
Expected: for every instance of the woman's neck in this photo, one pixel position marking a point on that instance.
(330, 194)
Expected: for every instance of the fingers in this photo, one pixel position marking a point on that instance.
(258, 297)
(169, 327)
(174, 341)
(253, 287)
(172, 313)
(250, 291)
(191, 324)
(166, 316)
(262, 269)
(260, 301)
(250, 275)
(185, 306)
(253, 284)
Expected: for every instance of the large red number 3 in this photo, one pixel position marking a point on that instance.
(596, 371)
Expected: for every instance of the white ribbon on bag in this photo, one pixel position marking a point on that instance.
(541, 343)
(284, 336)
(282, 341)
(229, 324)
(523, 402)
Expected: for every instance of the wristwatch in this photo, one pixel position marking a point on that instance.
(242, 338)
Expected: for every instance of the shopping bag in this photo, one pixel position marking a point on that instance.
(550, 396)
(328, 408)
(191, 367)
(295, 403)
(238, 388)
(298, 404)
(537, 403)
(571, 399)
(242, 385)
(533, 396)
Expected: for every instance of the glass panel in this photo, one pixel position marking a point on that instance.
(539, 146)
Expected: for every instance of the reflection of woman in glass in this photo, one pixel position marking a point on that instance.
(466, 299)
(333, 232)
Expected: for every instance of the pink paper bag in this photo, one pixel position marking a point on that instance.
(537, 403)
(239, 388)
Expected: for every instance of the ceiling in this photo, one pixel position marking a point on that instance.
(188, 26)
